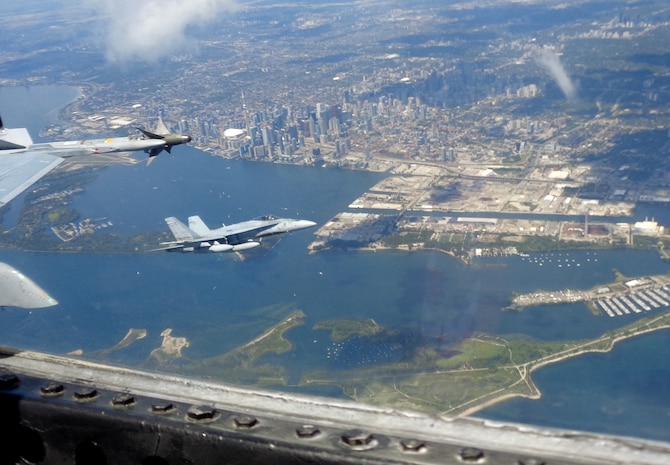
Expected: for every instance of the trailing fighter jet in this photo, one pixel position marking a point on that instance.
(23, 162)
(163, 134)
(197, 237)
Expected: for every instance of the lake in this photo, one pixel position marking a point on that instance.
(218, 301)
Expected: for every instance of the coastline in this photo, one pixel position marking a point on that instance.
(497, 400)
(530, 367)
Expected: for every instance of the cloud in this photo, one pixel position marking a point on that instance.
(551, 63)
(151, 30)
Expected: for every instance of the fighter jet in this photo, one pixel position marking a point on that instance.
(22, 162)
(163, 134)
(197, 237)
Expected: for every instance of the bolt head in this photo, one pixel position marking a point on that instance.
(307, 431)
(201, 412)
(52, 389)
(162, 408)
(413, 445)
(471, 454)
(86, 394)
(245, 421)
(358, 440)
(123, 400)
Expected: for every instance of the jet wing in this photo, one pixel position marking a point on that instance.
(18, 171)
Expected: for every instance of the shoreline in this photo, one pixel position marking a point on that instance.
(497, 400)
(532, 366)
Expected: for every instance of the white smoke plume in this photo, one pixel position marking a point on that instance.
(150, 30)
(551, 63)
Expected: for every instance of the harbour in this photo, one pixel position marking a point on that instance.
(230, 302)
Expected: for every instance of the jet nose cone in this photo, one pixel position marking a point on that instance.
(187, 139)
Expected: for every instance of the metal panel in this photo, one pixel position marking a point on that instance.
(55, 410)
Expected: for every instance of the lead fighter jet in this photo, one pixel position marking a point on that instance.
(163, 134)
(197, 237)
(22, 162)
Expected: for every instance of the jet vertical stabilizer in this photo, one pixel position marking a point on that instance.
(198, 226)
(180, 231)
(161, 128)
(12, 139)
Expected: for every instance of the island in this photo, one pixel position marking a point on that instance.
(400, 370)
(480, 371)
(246, 364)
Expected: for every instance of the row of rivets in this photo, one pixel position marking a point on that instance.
(357, 440)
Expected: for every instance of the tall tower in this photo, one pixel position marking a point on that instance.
(586, 224)
(246, 115)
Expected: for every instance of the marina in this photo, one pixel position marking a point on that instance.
(623, 297)
(639, 302)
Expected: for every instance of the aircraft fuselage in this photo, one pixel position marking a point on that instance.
(96, 146)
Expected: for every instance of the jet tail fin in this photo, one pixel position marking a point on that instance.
(160, 127)
(198, 226)
(13, 139)
(181, 232)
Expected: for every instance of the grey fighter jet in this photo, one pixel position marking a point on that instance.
(22, 162)
(197, 237)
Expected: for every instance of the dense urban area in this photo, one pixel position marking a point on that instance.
(548, 118)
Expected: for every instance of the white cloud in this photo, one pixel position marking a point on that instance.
(551, 63)
(151, 30)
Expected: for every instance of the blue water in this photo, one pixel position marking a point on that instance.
(219, 302)
(189, 182)
(623, 392)
(34, 107)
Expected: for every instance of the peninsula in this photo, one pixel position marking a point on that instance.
(480, 371)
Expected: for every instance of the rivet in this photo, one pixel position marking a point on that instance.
(8, 380)
(413, 445)
(245, 421)
(52, 389)
(86, 394)
(123, 400)
(201, 412)
(359, 440)
(163, 408)
(307, 431)
(471, 454)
